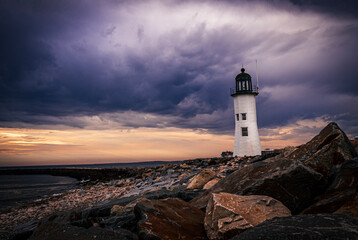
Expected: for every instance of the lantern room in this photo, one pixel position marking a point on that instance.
(243, 84)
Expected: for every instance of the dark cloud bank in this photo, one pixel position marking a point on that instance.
(62, 59)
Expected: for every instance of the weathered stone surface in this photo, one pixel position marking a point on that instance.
(342, 190)
(120, 210)
(67, 231)
(320, 226)
(100, 211)
(56, 228)
(330, 147)
(286, 180)
(123, 210)
(228, 214)
(24, 231)
(346, 177)
(198, 181)
(349, 207)
(283, 153)
(170, 218)
(330, 203)
(118, 222)
(355, 144)
(211, 183)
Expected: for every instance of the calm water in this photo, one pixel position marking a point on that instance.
(17, 189)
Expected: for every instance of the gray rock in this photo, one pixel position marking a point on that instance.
(329, 148)
(100, 211)
(341, 192)
(24, 231)
(128, 222)
(112, 182)
(57, 228)
(308, 227)
(346, 177)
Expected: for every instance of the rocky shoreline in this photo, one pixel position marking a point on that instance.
(314, 185)
(141, 181)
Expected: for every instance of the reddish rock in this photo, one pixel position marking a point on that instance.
(349, 207)
(171, 219)
(286, 180)
(198, 181)
(355, 144)
(330, 147)
(211, 183)
(228, 214)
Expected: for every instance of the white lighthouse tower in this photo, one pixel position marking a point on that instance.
(247, 141)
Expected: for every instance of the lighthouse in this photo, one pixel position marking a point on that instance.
(247, 141)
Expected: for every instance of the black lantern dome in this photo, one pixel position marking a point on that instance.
(243, 84)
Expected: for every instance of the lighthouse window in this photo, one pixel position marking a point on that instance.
(243, 116)
(244, 131)
(237, 117)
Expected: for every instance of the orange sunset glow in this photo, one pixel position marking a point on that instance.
(47, 147)
(25, 146)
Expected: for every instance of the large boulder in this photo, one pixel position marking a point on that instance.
(65, 226)
(320, 226)
(198, 181)
(104, 210)
(171, 219)
(349, 207)
(23, 231)
(286, 180)
(341, 192)
(329, 148)
(67, 231)
(228, 214)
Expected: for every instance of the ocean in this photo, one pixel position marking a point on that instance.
(18, 189)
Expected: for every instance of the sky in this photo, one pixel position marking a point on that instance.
(129, 81)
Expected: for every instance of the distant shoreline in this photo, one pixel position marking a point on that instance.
(95, 165)
(92, 172)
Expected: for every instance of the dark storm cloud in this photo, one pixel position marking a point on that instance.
(345, 7)
(71, 59)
